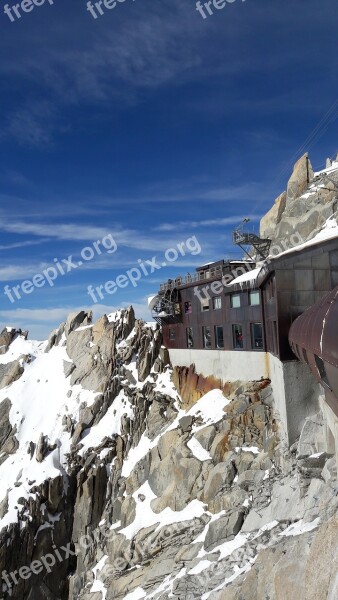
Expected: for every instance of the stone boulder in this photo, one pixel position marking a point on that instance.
(303, 567)
(172, 478)
(6, 337)
(8, 441)
(300, 178)
(75, 320)
(312, 437)
(220, 477)
(5, 424)
(43, 448)
(10, 372)
(273, 217)
(55, 337)
(223, 529)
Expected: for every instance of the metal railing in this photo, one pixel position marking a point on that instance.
(212, 273)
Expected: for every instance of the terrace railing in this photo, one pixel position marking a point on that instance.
(212, 273)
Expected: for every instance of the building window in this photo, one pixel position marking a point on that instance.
(217, 302)
(187, 308)
(275, 337)
(219, 336)
(190, 338)
(321, 370)
(235, 301)
(206, 337)
(204, 304)
(257, 336)
(271, 288)
(237, 334)
(254, 299)
(171, 334)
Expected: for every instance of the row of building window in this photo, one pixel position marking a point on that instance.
(256, 330)
(235, 302)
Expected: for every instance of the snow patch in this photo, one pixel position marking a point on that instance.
(197, 450)
(299, 528)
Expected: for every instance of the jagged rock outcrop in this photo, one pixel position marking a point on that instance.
(8, 441)
(8, 335)
(9, 373)
(302, 210)
(118, 487)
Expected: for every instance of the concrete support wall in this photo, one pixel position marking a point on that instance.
(221, 364)
(295, 391)
(296, 395)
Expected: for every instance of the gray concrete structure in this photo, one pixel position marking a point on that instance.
(296, 393)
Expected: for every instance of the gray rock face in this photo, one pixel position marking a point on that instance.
(250, 479)
(6, 337)
(223, 529)
(220, 477)
(300, 212)
(10, 372)
(300, 178)
(5, 425)
(43, 448)
(8, 442)
(142, 506)
(76, 319)
(312, 437)
(55, 337)
(298, 567)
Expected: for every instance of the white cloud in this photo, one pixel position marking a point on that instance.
(24, 244)
(218, 222)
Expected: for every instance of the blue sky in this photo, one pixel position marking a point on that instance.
(153, 125)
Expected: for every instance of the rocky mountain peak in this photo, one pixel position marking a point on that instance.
(311, 198)
(118, 485)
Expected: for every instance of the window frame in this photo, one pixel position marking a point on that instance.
(187, 330)
(251, 293)
(216, 336)
(205, 347)
(236, 295)
(252, 325)
(215, 300)
(235, 347)
(205, 304)
(172, 334)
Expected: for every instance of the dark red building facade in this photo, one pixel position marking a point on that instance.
(240, 306)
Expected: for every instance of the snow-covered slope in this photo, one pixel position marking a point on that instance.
(39, 399)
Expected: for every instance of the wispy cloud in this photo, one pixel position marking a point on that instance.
(24, 244)
(141, 52)
(221, 222)
(14, 272)
(129, 238)
(32, 124)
